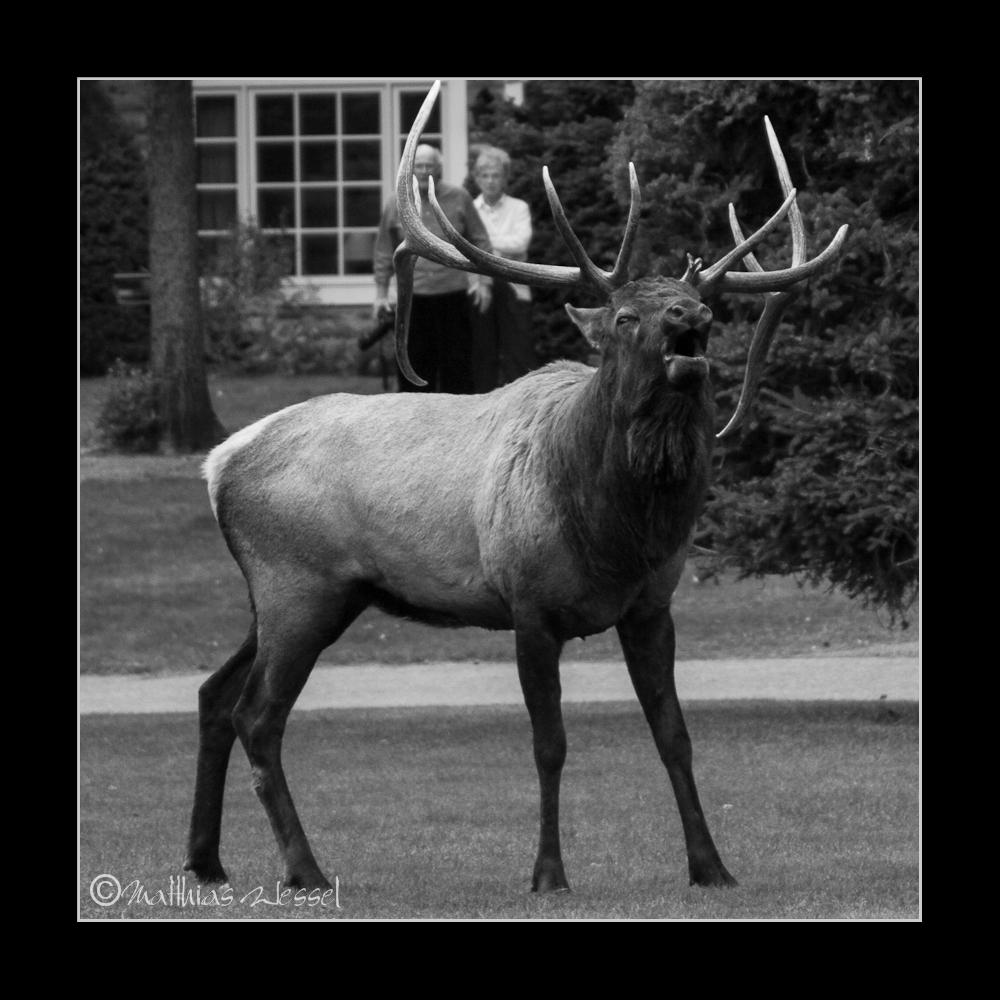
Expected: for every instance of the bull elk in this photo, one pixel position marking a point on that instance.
(557, 506)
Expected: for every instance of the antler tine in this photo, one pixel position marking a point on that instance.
(694, 266)
(794, 215)
(602, 279)
(734, 226)
(419, 238)
(711, 279)
(404, 262)
(547, 275)
(767, 325)
(619, 276)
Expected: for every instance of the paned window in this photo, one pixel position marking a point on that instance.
(216, 170)
(409, 107)
(311, 166)
(319, 176)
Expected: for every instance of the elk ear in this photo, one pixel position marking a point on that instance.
(592, 323)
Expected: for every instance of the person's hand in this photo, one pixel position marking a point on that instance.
(382, 304)
(482, 296)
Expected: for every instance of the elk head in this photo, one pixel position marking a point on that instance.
(681, 327)
(653, 317)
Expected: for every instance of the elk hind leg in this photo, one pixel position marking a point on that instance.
(289, 642)
(648, 643)
(216, 699)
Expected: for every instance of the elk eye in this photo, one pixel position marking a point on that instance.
(626, 318)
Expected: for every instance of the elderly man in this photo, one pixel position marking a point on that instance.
(503, 342)
(440, 339)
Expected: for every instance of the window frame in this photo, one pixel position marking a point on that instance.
(453, 139)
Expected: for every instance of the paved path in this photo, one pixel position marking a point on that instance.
(806, 678)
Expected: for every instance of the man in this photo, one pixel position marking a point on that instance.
(503, 342)
(440, 337)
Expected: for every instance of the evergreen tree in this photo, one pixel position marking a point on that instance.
(823, 481)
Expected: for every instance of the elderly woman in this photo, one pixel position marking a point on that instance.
(503, 343)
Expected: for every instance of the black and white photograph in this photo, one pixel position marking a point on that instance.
(499, 499)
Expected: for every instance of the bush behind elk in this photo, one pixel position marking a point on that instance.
(557, 506)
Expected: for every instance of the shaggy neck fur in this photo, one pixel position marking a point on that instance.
(631, 466)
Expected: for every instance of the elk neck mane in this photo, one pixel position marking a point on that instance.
(628, 459)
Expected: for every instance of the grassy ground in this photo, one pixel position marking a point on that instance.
(161, 594)
(433, 813)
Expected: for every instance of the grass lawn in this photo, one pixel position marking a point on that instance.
(161, 594)
(433, 813)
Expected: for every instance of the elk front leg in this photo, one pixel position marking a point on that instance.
(647, 640)
(216, 699)
(538, 669)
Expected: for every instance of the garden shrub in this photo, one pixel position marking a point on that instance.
(128, 419)
(254, 322)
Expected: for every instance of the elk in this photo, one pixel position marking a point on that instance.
(557, 506)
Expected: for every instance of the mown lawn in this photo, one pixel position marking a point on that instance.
(433, 813)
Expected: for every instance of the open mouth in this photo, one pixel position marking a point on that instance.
(685, 361)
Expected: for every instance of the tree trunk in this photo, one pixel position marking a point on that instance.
(178, 356)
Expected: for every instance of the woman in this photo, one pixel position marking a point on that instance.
(503, 342)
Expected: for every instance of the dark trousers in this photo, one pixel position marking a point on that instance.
(439, 344)
(503, 341)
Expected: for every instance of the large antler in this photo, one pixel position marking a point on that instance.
(720, 278)
(775, 283)
(462, 255)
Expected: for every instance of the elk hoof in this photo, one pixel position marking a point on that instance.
(711, 875)
(207, 872)
(549, 877)
(307, 881)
